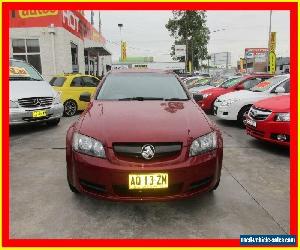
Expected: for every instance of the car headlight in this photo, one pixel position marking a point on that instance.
(13, 104)
(204, 144)
(87, 145)
(228, 102)
(282, 117)
(57, 98)
(205, 95)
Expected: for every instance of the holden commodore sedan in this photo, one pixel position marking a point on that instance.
(143, 137)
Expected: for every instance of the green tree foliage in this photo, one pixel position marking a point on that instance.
(189, 27)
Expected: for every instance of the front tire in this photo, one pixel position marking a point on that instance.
(241, 116)
(70, 108)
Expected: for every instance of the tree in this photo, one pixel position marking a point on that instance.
(189, 28)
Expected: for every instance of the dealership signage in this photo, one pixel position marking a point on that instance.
(258, 54)
(272, 55)
(180, 50)
(71, 20)
(123, 51)
(37, 13)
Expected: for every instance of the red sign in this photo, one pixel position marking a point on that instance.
(255, 52)
(73, 21)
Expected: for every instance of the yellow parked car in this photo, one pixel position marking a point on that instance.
(71, 86)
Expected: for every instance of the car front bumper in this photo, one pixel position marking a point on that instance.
(224, 112)
(268, 129)
(102, 179)
(19, 116)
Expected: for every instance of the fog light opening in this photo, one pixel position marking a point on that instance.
(281, 137)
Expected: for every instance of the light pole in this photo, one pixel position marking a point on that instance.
(120, 25)
(270, 29)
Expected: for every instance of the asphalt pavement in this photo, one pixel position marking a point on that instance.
(253, 196)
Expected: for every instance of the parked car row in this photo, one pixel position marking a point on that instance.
(258, 101)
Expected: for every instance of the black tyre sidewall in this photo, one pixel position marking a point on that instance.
(67, 115)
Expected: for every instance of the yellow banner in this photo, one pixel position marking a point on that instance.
(37, 13)
(272, 41)
(272, 62)
(123, 51)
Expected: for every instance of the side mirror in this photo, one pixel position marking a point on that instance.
(279, 90)
(85, 97)
(197, 97)
(239, 87)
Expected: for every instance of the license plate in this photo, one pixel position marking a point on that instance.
(251, 122)
(39, 113)
(148, 181)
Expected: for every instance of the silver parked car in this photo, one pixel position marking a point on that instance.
(31, 99)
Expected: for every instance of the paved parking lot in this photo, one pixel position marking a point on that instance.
(253, 196)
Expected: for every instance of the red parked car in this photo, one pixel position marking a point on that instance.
(143, 137)
(269, 120)
(234, 84)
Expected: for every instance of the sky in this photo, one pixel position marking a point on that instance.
(231, 31)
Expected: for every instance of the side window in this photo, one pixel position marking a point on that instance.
(90, 81)
(77, 82)
(285, 85)
(57, 81)
(251, 83)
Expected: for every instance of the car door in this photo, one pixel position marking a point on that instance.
(76, 88)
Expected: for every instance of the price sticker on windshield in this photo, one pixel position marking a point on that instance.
(18, 71)
(263, 85)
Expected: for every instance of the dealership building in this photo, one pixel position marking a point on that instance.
(56, 42)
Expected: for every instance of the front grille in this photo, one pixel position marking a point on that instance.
(34, 102)
(133, 150)
(122, 190)
(255, 131)
(259, 113)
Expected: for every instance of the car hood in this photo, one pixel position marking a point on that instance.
(276, 103)
(144, 121)
(25, 89)
(244, 95)
(215, 90)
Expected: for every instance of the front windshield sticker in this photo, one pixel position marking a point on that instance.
(18, 71)
(263, 85)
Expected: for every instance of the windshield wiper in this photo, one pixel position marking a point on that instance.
(176, 99)
(24, 79)
(140, 98)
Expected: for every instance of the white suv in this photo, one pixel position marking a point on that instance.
(234, 105)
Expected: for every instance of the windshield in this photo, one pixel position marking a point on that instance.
(217, 82)
(231, 82)
(200, 82)
(22, 71)
(265, 85)
(141, 86)
(57, 81)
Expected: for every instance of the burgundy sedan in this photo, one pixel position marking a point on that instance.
(143, 137)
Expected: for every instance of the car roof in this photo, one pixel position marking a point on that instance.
(72, 75)
(160, 71)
